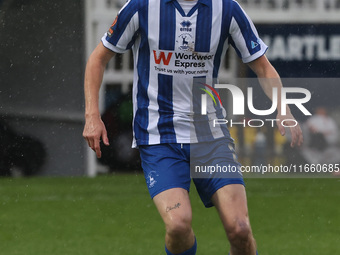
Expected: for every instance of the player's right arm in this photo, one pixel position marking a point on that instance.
(94, 129)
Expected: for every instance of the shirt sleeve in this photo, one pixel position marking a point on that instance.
(123, 31)
(244, 36)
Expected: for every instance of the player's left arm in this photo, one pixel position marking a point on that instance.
(269, 79)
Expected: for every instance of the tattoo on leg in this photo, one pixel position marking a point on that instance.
(169, 208)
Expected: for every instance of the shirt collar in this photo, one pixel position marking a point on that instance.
(205, 2)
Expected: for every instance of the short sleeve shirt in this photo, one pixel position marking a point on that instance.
(177, 57)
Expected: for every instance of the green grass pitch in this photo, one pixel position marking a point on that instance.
(114, 215)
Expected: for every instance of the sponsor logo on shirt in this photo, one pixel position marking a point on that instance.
(162, 58)
(186, 26)
(182, 60)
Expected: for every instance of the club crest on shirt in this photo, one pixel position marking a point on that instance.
(185, 42)
(112, 28)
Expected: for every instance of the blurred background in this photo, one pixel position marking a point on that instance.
(44, 46)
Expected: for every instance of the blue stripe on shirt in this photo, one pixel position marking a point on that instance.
(166, 113)
(225, 24)
(203, 28)
(201, 122)
(141, 120)
(167, 29)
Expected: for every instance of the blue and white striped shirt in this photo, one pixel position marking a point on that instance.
(175, 54)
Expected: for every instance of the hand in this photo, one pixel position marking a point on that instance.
(296, 132)
(94, 130)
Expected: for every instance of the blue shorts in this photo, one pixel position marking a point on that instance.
(167, 166)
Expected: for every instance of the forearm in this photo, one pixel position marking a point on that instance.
(269, 79)
(93, 78)
(94, 128)
(268, 85)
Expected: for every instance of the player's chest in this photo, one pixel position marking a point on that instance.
(182, 33)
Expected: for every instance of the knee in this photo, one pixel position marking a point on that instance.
(239, 232)
(178, 226)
